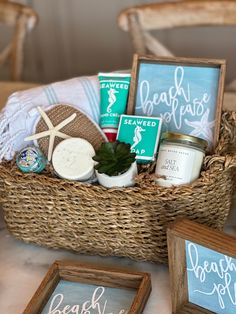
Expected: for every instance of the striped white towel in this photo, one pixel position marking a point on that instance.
(18, 117)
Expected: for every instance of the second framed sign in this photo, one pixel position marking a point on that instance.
(202, 266)
(71, 287)
(186, 93)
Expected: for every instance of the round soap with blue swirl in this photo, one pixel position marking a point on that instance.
(31, 159)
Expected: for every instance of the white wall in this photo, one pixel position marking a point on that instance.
(78, 37)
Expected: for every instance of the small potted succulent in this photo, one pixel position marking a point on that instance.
(116, 165)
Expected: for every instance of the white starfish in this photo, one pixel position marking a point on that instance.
(52, 131)
(202, 127)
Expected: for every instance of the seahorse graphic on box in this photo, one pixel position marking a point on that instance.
(111, 99)
(137, 136)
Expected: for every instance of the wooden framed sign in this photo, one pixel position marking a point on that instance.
(186, 93)
(202, 265)
(71, 287)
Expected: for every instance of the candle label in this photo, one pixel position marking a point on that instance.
(176, 164)
(142, 133)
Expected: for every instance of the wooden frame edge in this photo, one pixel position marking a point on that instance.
(177, 233)
(133, 83)
(221, 63)
(56, 272)
(44, 291)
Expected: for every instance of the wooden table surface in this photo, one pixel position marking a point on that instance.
(7, 88)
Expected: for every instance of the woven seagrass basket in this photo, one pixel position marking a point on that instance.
(121, 222)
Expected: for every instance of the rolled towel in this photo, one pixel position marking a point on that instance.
(18, 117)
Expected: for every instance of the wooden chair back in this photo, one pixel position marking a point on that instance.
(140, 20)
(22, 19)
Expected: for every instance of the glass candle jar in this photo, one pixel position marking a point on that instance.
(180, 159)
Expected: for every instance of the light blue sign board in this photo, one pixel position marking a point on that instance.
(184, 96)
(211, 279)
(79, 298)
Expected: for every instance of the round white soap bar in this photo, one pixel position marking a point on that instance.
(72, 159)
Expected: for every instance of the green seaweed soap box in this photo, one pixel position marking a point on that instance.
(142, 133)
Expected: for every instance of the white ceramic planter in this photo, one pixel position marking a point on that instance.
(124, 180)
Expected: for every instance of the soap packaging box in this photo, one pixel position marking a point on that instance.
(142, 133)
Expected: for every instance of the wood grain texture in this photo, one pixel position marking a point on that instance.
(189, 308)
(133, 85)
(7, 88)
(219, 104)
(138, 35)
(173, 15)
(177, 233)
(81, 39)
(177, 271)
(23, 19)
(180, 61)
(181, 13)
(84, 41)
(44, 291)
(91, 274)
(202, 235)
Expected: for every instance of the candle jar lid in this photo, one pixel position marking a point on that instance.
(184, 139)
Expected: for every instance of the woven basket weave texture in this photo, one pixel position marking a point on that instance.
(128, 222)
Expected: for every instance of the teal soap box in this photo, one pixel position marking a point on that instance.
(142, 133)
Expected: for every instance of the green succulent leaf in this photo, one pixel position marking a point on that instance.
(114, 158)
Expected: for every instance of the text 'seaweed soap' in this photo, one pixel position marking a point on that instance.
(142, 133)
